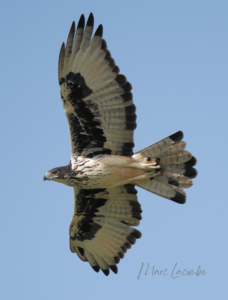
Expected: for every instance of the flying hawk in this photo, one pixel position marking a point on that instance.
(103, 169)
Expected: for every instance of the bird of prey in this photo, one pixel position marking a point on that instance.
(103, 169)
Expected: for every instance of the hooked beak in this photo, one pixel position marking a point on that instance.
(45, 177)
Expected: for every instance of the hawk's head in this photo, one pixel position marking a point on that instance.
(60, 174)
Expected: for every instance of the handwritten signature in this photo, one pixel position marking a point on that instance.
(175, 271)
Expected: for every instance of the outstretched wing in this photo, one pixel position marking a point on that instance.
(100, 230)
(96, 98)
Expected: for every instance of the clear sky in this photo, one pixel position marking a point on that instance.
(174, 53)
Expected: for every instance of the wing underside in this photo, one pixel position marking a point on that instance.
(100, 230)
(96, 98)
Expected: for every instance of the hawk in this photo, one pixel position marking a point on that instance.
(103, 169)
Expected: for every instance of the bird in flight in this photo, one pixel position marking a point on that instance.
(103, 169)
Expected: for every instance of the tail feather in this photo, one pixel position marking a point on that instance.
(179, 146)
(182, 181)
(176, 168)
(185, 168)
(160, 147)
(178, 158)
(161, 188)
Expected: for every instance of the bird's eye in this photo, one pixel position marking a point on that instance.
(55, 173)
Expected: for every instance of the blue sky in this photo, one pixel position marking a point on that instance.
(174, 53)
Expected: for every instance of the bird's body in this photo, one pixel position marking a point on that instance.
(103, 169)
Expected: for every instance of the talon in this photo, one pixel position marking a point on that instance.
(149, 167)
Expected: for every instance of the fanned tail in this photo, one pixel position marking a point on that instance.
(176, 168)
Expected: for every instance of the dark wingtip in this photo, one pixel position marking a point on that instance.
(131, 239)
(130, 109)
(116, 70)
(130, 126)
(176, 137)
(104, 45)
(136, 215)
(191, 173)
(121, 79)
(179, 198)
(114, 269)
(127, 96)
(192, 162)
(124, 248)
(112, 63)
(72, 27)
(106, 272)
(128, 245)
(81, 22)
(90, 21)
(108, 56)
(137, 234)
(62, 47)
(99, 30)
(117, 259)
(127, 87)
(96, 268)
